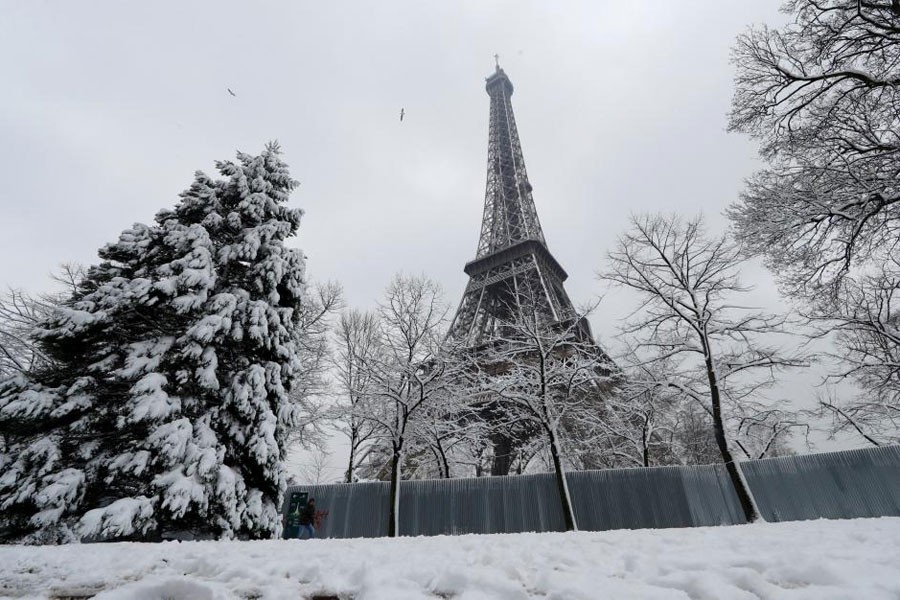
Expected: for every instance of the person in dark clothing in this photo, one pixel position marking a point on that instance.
(308, 518)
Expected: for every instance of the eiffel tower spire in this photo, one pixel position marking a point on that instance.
(512, 261)
(509, 213)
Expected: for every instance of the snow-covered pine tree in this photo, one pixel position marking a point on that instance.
(165, 408)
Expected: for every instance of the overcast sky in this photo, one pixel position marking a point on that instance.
(107, 109)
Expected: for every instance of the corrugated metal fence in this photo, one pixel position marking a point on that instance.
(855, 483)
(836, 485)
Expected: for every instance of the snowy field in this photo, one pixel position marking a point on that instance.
(815, 560)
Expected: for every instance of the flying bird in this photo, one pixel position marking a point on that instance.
(402, 112)
(230, 92)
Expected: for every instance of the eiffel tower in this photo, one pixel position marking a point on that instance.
(513, 264)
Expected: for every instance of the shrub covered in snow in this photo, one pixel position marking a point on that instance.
(165, 407)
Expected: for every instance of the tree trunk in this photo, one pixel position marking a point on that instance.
(562, 486)
(445, 462)
(348, 476)
(394, 515)
(502, 460)
(645, 443)
(737, 480)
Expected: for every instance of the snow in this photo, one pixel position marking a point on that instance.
(31, 403)
(801, 560)
(180, 492)
(152, 403)
(125, 516)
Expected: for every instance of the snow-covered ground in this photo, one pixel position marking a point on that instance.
(814, 559)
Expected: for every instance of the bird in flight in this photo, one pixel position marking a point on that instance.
(402, 112)
(230, 92)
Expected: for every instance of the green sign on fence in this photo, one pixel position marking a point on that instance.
(296, 503)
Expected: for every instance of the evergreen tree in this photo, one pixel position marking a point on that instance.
(165, 408)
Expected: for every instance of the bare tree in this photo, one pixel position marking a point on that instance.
(357, 336)
(821, 95)
(473, 455)
(688, 283)
(443, 428)
(315, 469)
(20, 313)
(544, 373)
(405, 373)
(648, 422)
(866, 329)
(636, 426)
(693, 435)
(311, 386)
(764, 432)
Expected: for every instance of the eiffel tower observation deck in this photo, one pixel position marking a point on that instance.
(513, 273)
(512, 262)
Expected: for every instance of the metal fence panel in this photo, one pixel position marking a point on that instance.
(710, 496)
(833, 485)
(855, 483)
(354, 509)
(614, 499)
(485, 505)
(656, 497)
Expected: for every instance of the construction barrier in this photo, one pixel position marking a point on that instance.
(834, 485)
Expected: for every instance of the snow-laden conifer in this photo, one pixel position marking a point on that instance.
(165, 407)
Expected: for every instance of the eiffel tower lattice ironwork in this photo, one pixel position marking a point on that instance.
(513, 264)
(512, 261)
